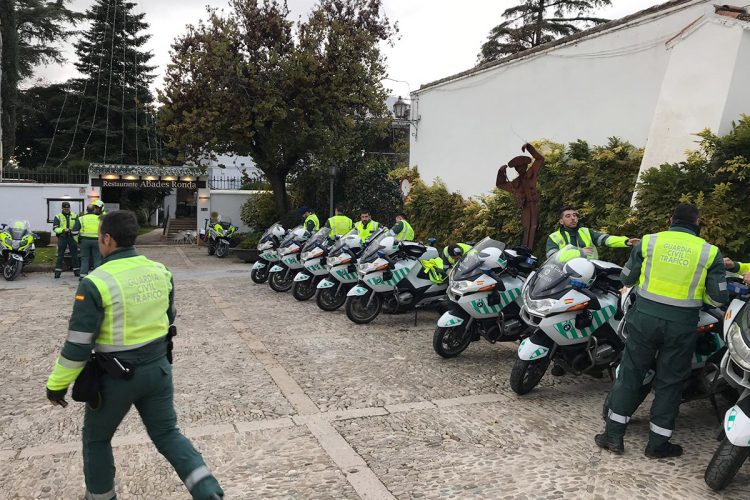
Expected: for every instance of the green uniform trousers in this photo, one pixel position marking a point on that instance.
(666, 346)
(64, 242)
(151, 391)
(90, 256)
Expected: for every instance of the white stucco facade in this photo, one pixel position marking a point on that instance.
(624, 81)
(39, 203)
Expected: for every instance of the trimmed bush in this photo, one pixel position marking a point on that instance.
(44, 238)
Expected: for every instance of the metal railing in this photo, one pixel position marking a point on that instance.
(46, 176)
(238, 183)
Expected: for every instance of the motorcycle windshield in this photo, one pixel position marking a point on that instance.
(317, 239)
(276, 228)
(224, 220)
(551, 279)
(291, 235)
(18, 228)
(373, 246)
(341, 243)
(474, 259)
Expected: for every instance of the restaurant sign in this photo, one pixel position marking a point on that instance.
(146, 184)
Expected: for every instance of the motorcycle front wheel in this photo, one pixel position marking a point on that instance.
(527, 374)
(724, 465)
(304, 290)
(328, 300)
(279, 283)
(361, 309)
(259, 276)
(222, 250)
(450, 342)
(12, 270)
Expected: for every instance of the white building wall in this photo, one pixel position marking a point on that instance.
(229, 204)
(590, 89)
(29, 201)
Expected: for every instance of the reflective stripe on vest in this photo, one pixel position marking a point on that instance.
(406, 233)
(674, 268)
(135, 296)
(340, 225)
(583, 234)
(89, 226)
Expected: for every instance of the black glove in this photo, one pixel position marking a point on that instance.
(57, 397)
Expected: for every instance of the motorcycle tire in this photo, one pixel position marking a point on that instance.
(304, 290)
(259, 276)
(357, 310)
(211, 249)
(527, 374)
(328, 300)
(222, 251)
(280, 284)
(450, 342)
(724, 465)
(12, 270)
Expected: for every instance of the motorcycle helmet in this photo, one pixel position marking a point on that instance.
(580, 271)
(388, 245)
(492, 258)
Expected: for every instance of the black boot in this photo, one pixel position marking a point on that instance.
(76, 273)
(57, 274)
(664, 450)
(610, 444)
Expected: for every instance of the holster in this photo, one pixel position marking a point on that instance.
(87, 387)
(170, 335)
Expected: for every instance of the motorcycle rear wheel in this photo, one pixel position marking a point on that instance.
(280, 284)
(450, 342)
(259, 276)
(527, 374)
(12, 270)
(211, 249)
(304, 290)
(328, 300)
(359, 312)
(724, 465)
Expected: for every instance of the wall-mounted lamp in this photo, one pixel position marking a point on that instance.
(111, 177)
(169, 178)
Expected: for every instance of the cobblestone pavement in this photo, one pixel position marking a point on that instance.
(284, 400)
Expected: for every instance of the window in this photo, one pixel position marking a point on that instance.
(54, 207)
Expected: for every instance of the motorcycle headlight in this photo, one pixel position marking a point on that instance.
(15, 244)
(538, 307)
(738, 348)
(459, 287)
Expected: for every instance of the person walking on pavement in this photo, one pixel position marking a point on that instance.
(312, 223)
(676, 272)
(340, 224)
(88, 230)
(366, 226)
(64, 228)
(402, 229)
(124, 310)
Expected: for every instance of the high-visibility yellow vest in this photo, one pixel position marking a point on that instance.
(314, 218)
(583, 233)
(62, 222)
(450, 258)
(406, 233)
(365, 232)
(89, 226)
(674, 268)
(135, 296)
(340, 225)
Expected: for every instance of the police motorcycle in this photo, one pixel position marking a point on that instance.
(313, 257)
(282, 273)
(267, 253)
(573, 303)
(16, 248)
(391, 278)
(734, 448)
(218, 236)
(342, 271)
(485, 292)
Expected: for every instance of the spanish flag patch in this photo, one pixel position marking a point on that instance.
(79, 296)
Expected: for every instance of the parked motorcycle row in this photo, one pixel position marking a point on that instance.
(568, 312)
(17, 248)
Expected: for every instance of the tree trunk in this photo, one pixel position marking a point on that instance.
(278, 184)
(539, 23)
(9, 84)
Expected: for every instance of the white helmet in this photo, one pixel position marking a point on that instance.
(388, 245)
(492, 258)
(581, 272)
(278, 231)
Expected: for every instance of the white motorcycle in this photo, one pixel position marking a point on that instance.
(485, 289)
(391, 277)
(342, 271)
(267, 253)
(573, 302)
(313, 260)
(283, 272)
(735, 367)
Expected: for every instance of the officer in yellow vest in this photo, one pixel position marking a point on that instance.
(454, 251)
(340, 224)
(739, 268)
(312, 223)
(123, 311)
(402, 229)
(99, 208)
(676, 272)
(64, 228)
(366, 226)
(569, 233)
(88, 229)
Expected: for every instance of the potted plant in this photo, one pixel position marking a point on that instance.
(247, 248)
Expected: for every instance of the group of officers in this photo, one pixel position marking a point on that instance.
(74, 230)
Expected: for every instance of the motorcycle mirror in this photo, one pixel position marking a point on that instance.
(431, 241)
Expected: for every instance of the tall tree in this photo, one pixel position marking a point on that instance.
(30, 30)
(290, 96)
(535, 22)
(107, 114)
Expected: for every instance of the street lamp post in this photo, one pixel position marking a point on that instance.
(332, 175)
(402, 112)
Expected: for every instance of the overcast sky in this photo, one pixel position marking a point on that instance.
(437, 37)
